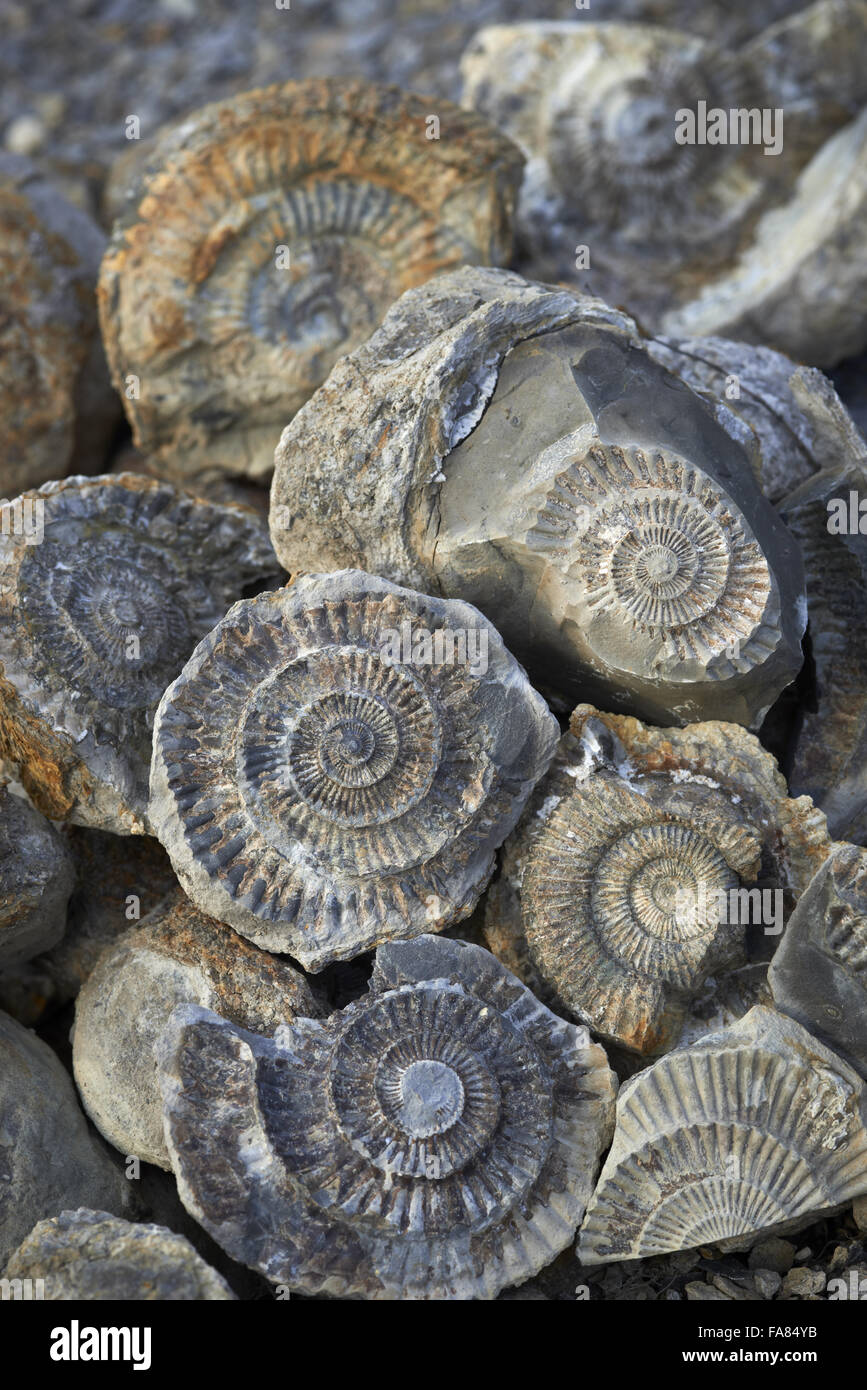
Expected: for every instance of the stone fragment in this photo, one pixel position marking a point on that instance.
(859, 1213)
(515, 445)
(268, 235)
(49, 1159)
(772, 1253)
(752, 1131)
(768, 1282)
(803, 1283)
(56, 402)
(90, 1256)
(36, 879)
(339, 761)
(437, 1139)
(650, 877)
(179, 957)
(819, 972)
(96, 620)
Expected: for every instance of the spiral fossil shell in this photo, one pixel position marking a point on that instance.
(226, 337)
(319, 791)
(819, 972)
(609, 897)
(437, 1139)
(56, 401)
(755, 1129)
(541, 465)
(96, 618)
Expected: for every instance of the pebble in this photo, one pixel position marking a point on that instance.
(774, 1254)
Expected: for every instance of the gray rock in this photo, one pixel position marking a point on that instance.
(514, 444)
(819, 972)
(767, 1282)
(180, 956)
(803, 1283)
(36, 879)
(49, 1160)
(772, 1253)
(90, 1256)
(328, 773)
(437, 1139)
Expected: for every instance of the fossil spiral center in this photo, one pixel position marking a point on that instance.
(431, 1098)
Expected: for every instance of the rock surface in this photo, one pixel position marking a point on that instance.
(179, 957)
(36, 879)
(90, 1256)
(49, 1159)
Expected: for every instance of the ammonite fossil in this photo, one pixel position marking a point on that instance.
(51, 1160)
(663, 168)
(90, 1256)
(435, 1140)
(56, 401)
(338, 762)
(755, 1129)
(819, 972)
(540, 464)
(647, 861)
(103, 595)
(177, 956)
(36, 879)
(269, 236)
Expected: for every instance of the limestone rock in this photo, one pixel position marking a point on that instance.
(435, 1140)
(48, 1157)
(36, 879)
(819, 972)
(514, 444)
(339, 761)
(96, 618)
(179, 956)
(90, 1256)
(268, 236)
(56, 402)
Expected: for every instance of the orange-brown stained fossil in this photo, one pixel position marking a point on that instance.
(269, 235)
(321, 787)
(101, 602)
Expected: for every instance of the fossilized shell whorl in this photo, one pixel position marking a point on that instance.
(541, 465)
(684, 231)
(269, 236)
(819, 972)
(627, 892)
(105, 589)
(829, 762)
(712, 18)
(94, 1257)
(56, 402)
(603, 912)
(435, 1140)
(320, 789)
(755, 1129)
(36, 879)
(178, 956)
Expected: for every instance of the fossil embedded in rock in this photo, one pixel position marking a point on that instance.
(819, 972)
(270, 235)
(339, 761)
(633, 875)
(90, 1256)
(36, 879)
(97, 615)
(665, 169)
(178, 956)
(50, 1159)
(515, 445)
(755, 1129)
(56, 403)
(437, 1139)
